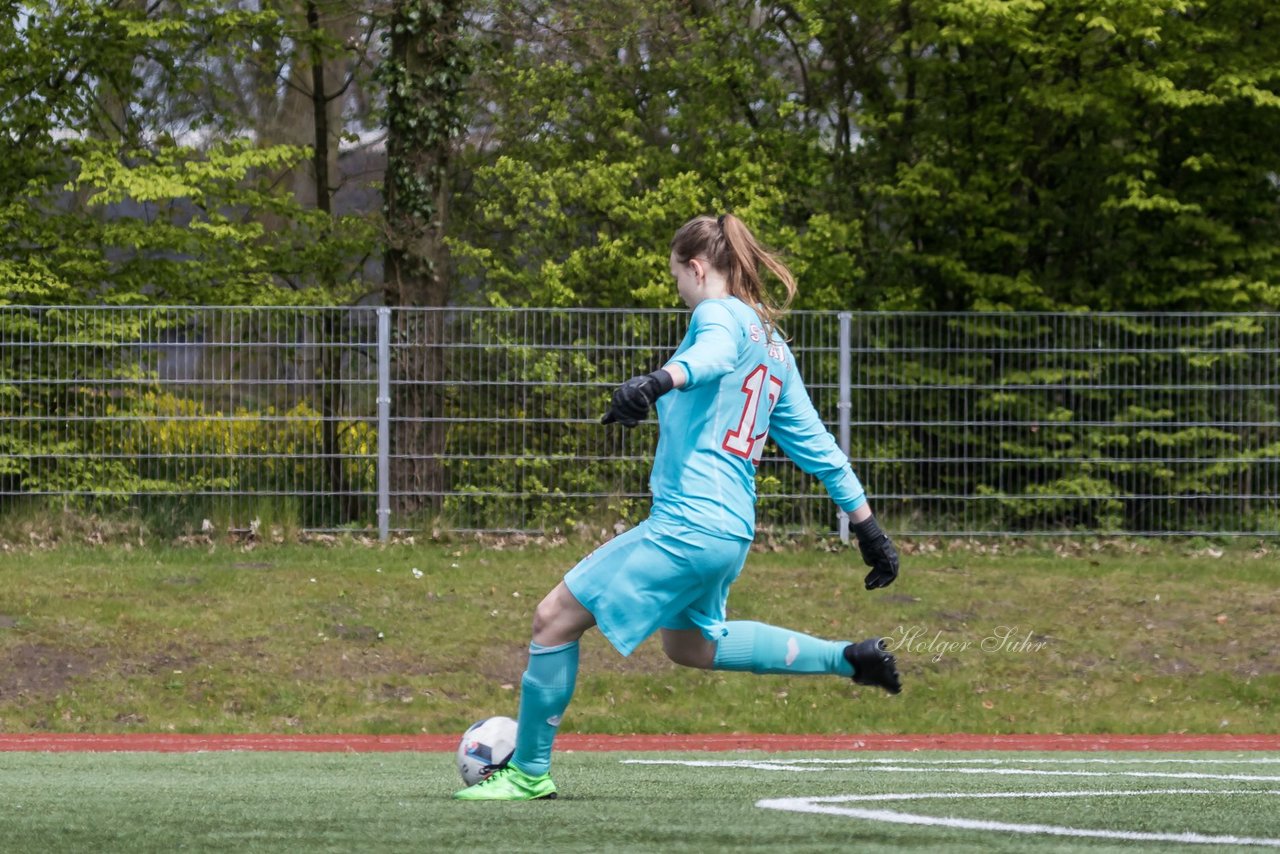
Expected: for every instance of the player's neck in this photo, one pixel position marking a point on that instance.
(713, 286)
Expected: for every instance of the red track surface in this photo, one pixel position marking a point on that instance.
(175, 743)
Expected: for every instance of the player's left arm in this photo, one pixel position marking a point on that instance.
(800, 433)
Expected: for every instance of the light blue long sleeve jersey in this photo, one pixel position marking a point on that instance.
(742, 388)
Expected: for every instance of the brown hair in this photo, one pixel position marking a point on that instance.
(729, 247)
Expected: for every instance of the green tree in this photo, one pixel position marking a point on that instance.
(116, 194)
(607, 125)
(934, 154)
(134, 182)
(1095, 153)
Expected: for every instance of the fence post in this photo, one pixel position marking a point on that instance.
(846, 400)
(384, 424)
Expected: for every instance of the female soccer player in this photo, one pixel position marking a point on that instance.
(737, 383)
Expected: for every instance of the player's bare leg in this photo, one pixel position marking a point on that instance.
(549, 678)
(689, 648)
(560, 618)
(546, 687)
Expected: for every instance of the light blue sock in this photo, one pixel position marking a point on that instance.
(545, 691)
(761, 648)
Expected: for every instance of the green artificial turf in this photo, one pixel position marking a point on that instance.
(401, 802)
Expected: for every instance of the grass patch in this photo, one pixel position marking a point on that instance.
(348, 638)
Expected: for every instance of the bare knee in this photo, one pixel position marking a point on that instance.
(544, 616)
(689, 649)
(559, 618)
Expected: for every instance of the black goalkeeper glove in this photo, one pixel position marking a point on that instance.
(877, 552)
(632, 399)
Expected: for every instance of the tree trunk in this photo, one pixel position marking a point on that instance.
(342, 504)
(424, 73)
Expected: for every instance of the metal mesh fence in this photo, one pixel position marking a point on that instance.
(187, 414)
(1047, 423)
(483, 419)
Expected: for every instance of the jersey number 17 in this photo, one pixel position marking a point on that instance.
(743, 440)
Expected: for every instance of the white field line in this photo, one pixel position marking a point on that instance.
(754, 764)
(1081, 793)
(813, 766)
(830, 806)
(835, 805)
(1092, 760)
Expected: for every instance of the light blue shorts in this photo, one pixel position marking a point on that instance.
(658, 575)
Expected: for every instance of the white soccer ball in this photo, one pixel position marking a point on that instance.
(486, 746)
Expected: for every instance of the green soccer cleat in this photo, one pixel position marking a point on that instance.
(509, 784)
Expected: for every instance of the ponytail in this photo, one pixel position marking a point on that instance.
(730, 247)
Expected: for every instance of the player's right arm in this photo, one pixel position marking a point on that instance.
(712, 351)
(714, 336)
